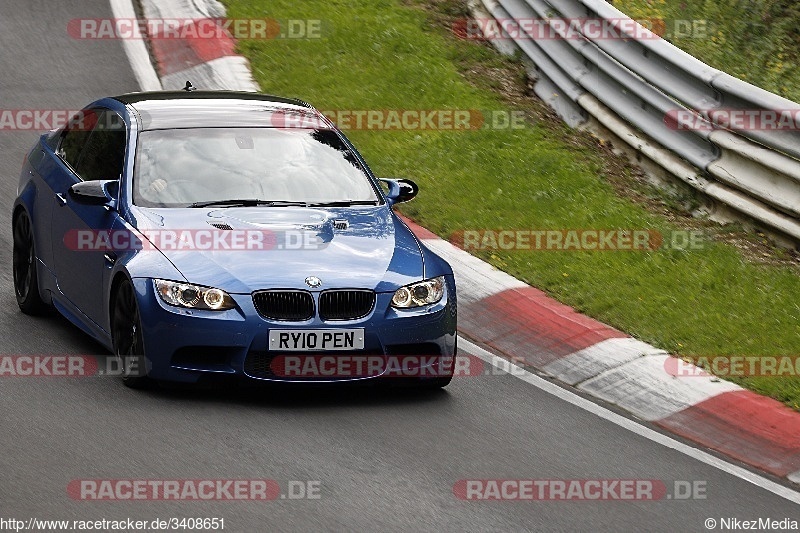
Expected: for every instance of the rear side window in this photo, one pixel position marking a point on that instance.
(103, 156)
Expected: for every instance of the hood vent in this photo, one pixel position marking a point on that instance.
(221, 226)
(340, 224)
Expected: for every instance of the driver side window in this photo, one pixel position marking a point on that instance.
(93, 145)
(76, 134)
(103, 156)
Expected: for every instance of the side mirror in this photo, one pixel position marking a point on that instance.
(96, 192)
(400, 190)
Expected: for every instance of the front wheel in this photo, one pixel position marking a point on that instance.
(126, 331)
(26, 281)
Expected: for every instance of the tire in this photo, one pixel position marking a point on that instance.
(126, 332)
(26, 279)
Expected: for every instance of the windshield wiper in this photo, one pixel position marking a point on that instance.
(343, 203)
(249, 202)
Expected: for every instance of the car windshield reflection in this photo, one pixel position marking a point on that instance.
(200, 167)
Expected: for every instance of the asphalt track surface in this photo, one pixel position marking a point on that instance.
(385, 460)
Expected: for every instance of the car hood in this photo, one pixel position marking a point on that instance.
(355, 247)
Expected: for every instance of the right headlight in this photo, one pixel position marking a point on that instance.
(193, 296)
(418, 294)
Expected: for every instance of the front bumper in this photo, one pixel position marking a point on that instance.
(186, 345)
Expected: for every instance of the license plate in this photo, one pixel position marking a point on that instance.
(307, 340)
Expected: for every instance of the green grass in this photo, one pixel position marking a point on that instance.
(382, 54)
(755, 40)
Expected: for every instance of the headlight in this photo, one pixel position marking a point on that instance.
(426, 292)
(192, 296)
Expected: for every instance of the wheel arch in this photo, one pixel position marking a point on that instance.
(19, 208)
(116, 281)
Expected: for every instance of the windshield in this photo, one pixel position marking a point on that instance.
(185, 167)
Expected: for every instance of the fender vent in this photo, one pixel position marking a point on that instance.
(340, 224)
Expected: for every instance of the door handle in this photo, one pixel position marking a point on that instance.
(62, 200)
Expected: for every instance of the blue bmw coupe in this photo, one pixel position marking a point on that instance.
(204, 234)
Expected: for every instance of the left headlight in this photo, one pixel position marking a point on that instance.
(193, 296)
(426, 292)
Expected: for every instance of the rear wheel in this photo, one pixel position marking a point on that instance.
(26, 281)
(126, 330)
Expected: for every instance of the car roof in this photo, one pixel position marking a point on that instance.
(209, 109)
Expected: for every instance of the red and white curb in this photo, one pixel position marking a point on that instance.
(523, 323)
(207, 63)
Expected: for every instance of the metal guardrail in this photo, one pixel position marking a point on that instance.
(631, 86)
